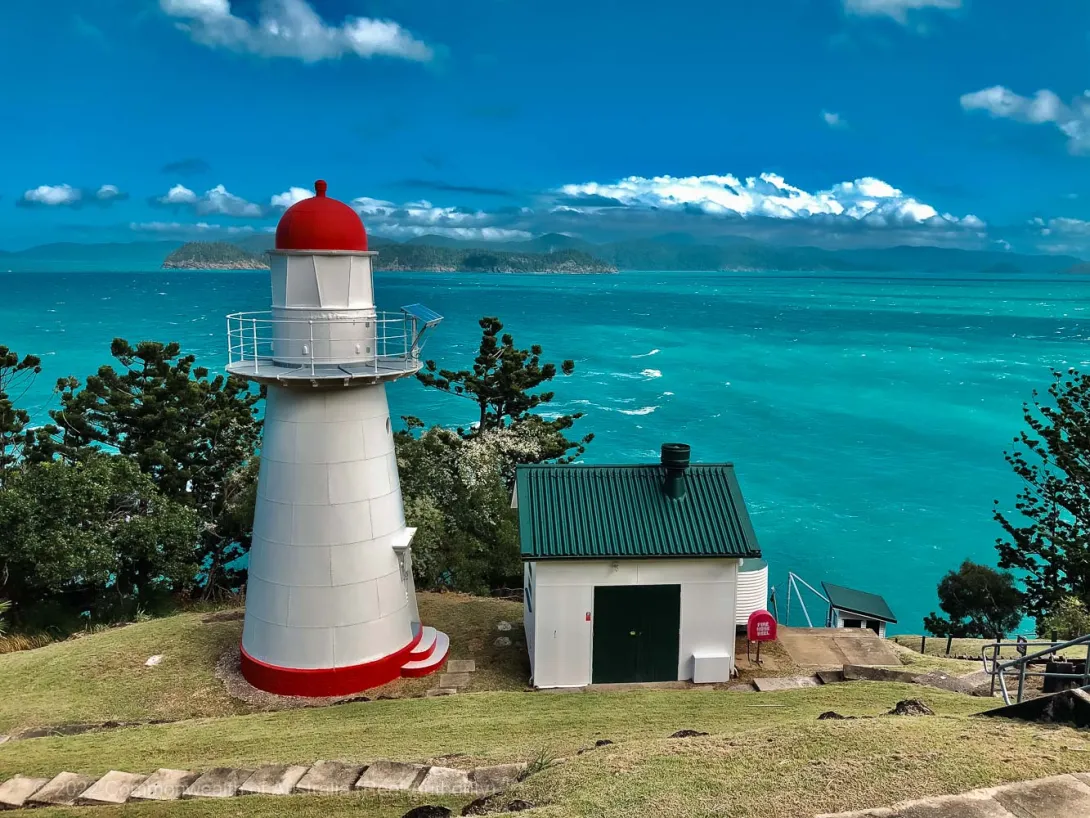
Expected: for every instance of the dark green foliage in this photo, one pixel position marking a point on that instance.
(466, 532)
(195, 436)
(1048, 536)
(92, 535)
(16, 375)
(501, 384)
(978, 601)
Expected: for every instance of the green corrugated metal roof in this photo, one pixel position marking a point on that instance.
(869, 606)
(591, 512)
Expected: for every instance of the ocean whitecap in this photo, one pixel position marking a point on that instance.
(643, 410)
(651, 373)
(648, 354)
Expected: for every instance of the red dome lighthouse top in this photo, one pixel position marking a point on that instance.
(321, 223)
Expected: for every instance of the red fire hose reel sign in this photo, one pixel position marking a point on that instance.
(761, 627)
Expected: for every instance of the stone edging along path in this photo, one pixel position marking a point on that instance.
(329, 777)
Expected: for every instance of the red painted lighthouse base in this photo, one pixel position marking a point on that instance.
(425, 654)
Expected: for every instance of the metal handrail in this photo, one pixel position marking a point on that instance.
(261, 339)
(998, 669)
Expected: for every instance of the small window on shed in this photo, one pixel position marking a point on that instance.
(529, 600)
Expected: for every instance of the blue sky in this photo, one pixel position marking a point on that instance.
(839, 122)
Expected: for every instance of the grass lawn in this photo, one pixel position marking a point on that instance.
(802, 769)
(767, 754)
(758, 762)
(936, 646)
(472, 728)
(102, 677)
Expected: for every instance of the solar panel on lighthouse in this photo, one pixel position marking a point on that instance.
(330, 604)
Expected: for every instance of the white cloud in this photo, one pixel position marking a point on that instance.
(290, 196)
(896, 9)
(293, 29)
(834, 120)
(179, 195)
(109, 193)
(422, 218)
(868, 200)
(1044, 107)
(182, 227)
(217, 201)
(54, 196)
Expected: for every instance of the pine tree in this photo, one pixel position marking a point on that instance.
(1048, 535)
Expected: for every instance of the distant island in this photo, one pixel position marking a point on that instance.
(218, 255)
(213, 255)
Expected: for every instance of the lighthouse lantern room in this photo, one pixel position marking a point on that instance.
(330, 604)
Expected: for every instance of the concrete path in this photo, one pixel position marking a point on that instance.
(836, 647)
(1061, 796)
(73, 789)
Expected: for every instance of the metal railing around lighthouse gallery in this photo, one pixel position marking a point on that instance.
(380, 344)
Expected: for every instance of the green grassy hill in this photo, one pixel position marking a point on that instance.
(766, 755)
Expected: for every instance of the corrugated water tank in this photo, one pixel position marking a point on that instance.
(752, 588)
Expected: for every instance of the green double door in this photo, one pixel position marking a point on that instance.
(637, 629)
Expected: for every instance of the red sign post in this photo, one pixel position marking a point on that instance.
(761, 627)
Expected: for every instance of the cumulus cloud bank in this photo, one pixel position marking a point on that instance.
(1043, 108)
(423, 218)
(292, 29)
(216, 201)
(769, 195)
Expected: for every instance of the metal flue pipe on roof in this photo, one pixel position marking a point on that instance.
(675, 459)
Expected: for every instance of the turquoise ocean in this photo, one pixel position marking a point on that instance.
(867, 415)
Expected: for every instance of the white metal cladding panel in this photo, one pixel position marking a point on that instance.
(392, 594)
(387, 514)
(333, 607)
(562, 649)
(362, 562)
(356, 644)
(752, 593)
(324, 573)
(290, 565)
(322, 281)
(341, 524)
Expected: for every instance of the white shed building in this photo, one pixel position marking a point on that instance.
(631, 572)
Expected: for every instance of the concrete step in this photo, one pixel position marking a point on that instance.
(426, 646)
(422, 667)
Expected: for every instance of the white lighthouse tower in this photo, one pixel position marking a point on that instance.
(330, 604)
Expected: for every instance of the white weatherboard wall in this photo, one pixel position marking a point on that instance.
(563, 595)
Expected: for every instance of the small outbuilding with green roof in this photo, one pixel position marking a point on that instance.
(631, 571)
(849, 608)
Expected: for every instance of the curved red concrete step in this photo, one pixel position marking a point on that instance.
(426, 645)
(432, 660)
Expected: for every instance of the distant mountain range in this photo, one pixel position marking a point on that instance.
(402, 257)
(560, 253)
